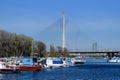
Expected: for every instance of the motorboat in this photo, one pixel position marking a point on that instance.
(115, 60)
(53, 62)
(6, 68)
(27, 64)
(77, 60)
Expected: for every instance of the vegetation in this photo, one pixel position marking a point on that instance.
(58, 52)
(19, 45)
(40, 48)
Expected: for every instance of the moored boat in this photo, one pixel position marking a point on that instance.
(27, 64)
(115, 60)
(77, 60)
(4, 68)
(53, 62)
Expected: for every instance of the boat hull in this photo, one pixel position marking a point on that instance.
(79, 62)
(28, 68)
(9, 71)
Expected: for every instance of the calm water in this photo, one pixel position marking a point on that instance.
(94, 69)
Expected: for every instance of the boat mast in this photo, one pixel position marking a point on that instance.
(32, 48)
(63, 33)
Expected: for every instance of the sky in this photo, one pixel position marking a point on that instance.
(87, 22)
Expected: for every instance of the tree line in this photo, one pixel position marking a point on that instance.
(58, 52)
(12, 44)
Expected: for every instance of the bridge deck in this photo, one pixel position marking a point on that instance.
(96, 52)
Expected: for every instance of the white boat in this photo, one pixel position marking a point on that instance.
(54, 62)
(77, 60)
(115, 59)
(5, 68)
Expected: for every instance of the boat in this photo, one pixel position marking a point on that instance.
(30, 63)
(77, 60)
(115, 60)
(27, 64)
(53, 62)
(5, 68)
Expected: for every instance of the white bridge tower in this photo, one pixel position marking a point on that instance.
(63, 33)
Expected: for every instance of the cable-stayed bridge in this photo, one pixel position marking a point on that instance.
(55, 34)
(59, 33)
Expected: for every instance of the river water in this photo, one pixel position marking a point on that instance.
(93, 69)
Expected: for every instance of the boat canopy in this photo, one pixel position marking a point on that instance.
(27, 61)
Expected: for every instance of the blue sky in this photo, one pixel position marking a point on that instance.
(88, 21)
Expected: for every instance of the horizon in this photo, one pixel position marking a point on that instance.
(87, 22)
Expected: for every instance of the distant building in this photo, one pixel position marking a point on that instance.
(94, 47)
